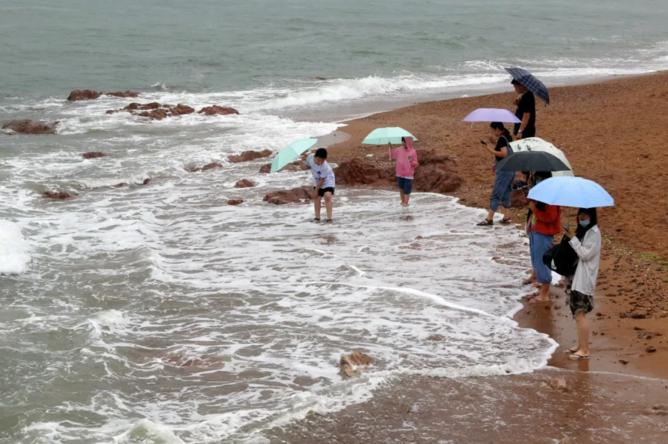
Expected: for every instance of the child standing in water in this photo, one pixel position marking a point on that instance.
(324, 181)
(406, 159)
(587, 245)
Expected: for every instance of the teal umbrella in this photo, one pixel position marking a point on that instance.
(382, 136)
(291, 153)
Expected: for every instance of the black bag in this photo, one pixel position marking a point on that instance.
(561, 258)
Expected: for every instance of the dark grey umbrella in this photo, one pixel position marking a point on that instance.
(527, 79)
(532, 161)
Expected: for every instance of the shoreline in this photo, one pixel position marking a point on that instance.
(623, 331)
(630, 315)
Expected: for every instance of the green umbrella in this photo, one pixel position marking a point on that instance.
(291, 153)
(382, 136)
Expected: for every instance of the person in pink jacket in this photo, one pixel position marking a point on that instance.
(406, 162)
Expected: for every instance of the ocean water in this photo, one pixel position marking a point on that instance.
(157, 313)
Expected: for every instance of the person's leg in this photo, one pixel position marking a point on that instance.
(541, 243)
(403, 197)
(316, 205)
(329, 203)
(583, 333)
(408, 187)
(505, 183)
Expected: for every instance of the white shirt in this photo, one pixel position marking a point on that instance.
(323, 171)
(589, 252)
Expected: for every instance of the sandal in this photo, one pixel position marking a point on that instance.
(506, 220)
(485, 223)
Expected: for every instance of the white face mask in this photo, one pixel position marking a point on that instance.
(584, 223)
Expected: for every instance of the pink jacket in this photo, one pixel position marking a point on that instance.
(407, 160)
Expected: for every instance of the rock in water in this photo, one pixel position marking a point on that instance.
(352, 364)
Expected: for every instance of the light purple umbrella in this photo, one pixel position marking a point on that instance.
(491, 115)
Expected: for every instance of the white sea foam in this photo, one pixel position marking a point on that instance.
(14, 249)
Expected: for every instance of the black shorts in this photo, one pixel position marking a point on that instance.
(580, 302)
(322, 191)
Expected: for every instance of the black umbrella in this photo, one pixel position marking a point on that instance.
(532, 161)
(527, 79)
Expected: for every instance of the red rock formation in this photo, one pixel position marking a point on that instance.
(89, 94)
(217, 110)
(247, 156)
(181, 109)
(83, 94)
(235, 201)
(58, 195)
(211, 166)
(354, 363)
(93, 154)
(436, 173)
(156, 114)
(208, 166)
(295, 195)
(123, 94)
(26, 126)
(265, 169)
(244, 183)
(155, 110)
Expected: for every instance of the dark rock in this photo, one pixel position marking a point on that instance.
(623, 361)
(235, 201)
(123, 94)
(244, 183)
(83, 94)
(650, 349)
(217, 110)
(212, 166)
(295, 195)
(93, 154)
(208, 166)
(146, 181)
(436, 337)
(354, 363)
(247, 156)
(27, 126)
(156, 114)
(181, 109)
(57, 195)
(265, 169)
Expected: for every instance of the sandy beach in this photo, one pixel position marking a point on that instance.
(613, 132)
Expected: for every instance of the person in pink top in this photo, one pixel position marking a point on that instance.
(406, 162)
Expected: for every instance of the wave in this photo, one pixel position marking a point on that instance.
(14, 249)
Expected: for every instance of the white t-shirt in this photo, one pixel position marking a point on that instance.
(323, 171)
(589, 252)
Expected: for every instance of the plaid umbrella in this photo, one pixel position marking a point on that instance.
(527, 79)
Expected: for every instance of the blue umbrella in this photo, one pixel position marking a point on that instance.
(382, 136)
(491, 115)
(527, 79)
(291, 153)
(568, 191)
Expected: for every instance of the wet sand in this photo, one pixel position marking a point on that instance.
(613, 132)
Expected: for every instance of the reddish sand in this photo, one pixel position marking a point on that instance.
(613, 132)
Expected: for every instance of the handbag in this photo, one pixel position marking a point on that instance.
(562, 258)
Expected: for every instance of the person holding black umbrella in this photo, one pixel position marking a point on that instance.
(503, 180)
(525, 111)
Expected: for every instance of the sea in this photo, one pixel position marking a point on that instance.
(147, 310)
